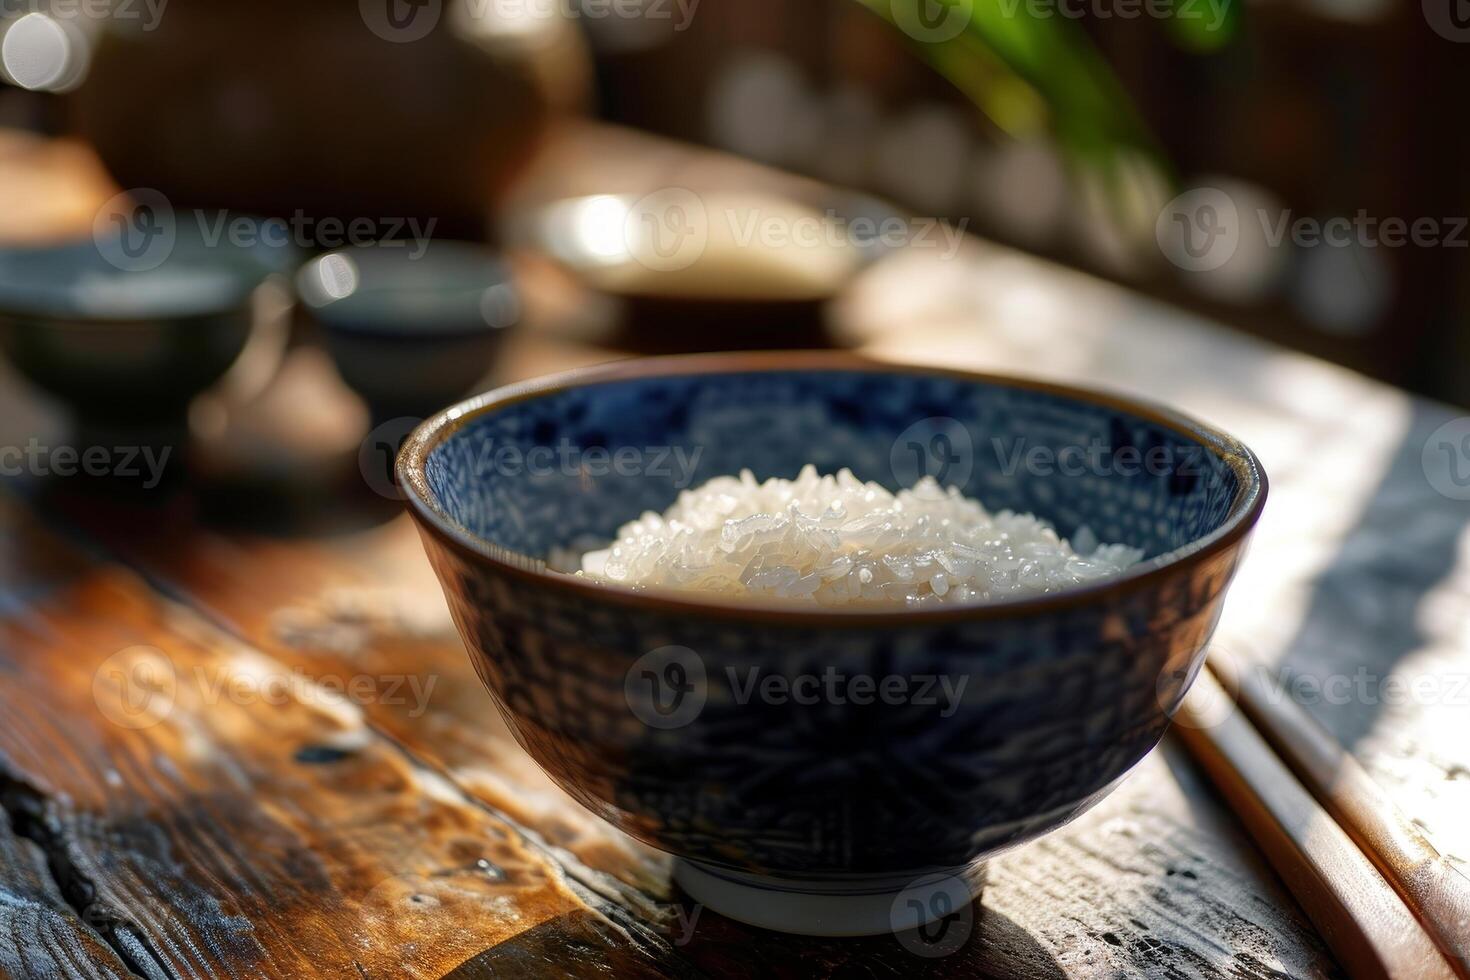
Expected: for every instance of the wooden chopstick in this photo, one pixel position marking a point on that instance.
(1361, 918)
(1435, 890)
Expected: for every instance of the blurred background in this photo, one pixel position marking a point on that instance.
(397, 185)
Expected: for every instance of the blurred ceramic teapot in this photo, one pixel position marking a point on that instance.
(389, 110)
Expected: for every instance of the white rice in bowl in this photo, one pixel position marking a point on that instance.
(837, 541)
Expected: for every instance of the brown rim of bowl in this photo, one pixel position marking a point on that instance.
(1245, 509)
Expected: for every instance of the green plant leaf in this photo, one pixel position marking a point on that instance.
(1031, 70)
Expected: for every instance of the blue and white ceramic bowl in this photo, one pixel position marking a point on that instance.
(709, 728)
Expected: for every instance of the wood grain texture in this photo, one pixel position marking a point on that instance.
(286, 859)
(222, 815)
(41, 936)
(1373, 933)
(1156, 882)
(1356, 592)
(1433, 888)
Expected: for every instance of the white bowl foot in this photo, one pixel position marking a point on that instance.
(852, 906)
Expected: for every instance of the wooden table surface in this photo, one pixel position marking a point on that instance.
(230, 751)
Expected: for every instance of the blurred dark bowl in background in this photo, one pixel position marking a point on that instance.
(410, 326)
(693, 270)
(127, 344)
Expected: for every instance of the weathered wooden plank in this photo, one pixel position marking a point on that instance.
(1358, 578)
(1156, 881)
(228, 816)
(41, 936)
(368, 609)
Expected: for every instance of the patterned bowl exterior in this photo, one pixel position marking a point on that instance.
(1062, 694)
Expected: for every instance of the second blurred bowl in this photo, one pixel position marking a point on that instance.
(755, 269)
(129, 337)
(410, 326)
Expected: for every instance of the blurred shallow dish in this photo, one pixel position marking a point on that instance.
(410, 325)
(129, 329)
(752, 269)
(821, 817)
